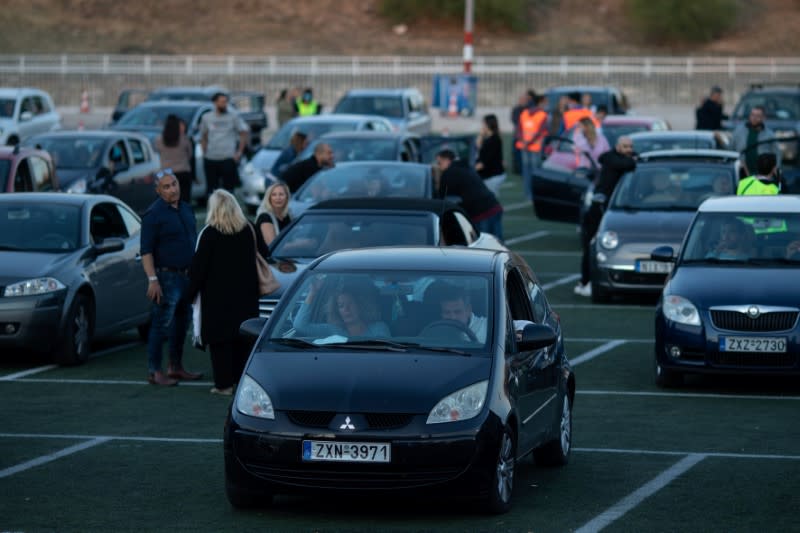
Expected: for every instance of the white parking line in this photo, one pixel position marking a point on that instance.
(527, 237)
(184, 440)
(10, 471)
(562, 281)
(639, 495)
(108, 382)
(38, 369)
(646, 394)
(591, 354)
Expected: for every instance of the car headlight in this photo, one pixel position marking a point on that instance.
(32, 287)
(252, 400)
(78, 187)
(679, 309)
(609, 240)
(461, 405)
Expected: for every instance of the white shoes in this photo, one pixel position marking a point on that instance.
(583, 290)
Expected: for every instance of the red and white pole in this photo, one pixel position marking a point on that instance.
(469, 18)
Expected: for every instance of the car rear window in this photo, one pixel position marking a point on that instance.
(776, 106)
(385, 106)
(402, 180)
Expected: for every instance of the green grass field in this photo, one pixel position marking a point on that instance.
(95, 448)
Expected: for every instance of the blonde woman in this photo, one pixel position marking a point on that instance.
(589, 141)
(273, 213)
(223, 273)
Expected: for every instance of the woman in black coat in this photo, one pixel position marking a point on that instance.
(489, 164)
(224, 273)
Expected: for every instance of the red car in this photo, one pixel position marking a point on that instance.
(26, 170)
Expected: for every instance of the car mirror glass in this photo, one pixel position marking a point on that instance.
(536, 337)
(663, 253)
(251, 328)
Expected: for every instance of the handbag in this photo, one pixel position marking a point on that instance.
(266, 280)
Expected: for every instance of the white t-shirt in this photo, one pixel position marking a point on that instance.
(478, 326)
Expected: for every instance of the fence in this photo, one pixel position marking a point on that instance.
(646, 80)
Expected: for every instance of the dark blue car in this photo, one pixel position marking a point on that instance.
(732, 301)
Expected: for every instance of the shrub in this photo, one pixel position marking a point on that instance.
(675, 21)
(511, 14)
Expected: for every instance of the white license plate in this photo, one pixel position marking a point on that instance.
(348, 452)
(653, 267)
(753, 344)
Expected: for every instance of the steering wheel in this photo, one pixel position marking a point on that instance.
(449, 324)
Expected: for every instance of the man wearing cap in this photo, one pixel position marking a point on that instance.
(223, 136)
(167, 245)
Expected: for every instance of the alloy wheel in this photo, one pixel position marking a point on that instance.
(505, 468)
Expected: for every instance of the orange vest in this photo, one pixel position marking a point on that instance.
(573, 116)
(533, 130)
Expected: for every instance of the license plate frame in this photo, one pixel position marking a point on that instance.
(346, 452)
(742, 344)
(647, 266)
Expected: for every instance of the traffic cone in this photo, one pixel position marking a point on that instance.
(452, 107)
(85, 102)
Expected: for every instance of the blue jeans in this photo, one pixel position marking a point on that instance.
(493, 225)
(170, 320)
(530, 162)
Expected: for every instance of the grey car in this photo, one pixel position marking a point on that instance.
(405, 108)
(69, 271)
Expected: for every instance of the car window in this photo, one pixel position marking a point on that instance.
(40, 105)
(385, 106)
(106, 222)
(538, 301)
(28, 106)
(7, 107)
(675, 186)
(137, 151)
(379, 125)
(651, 144)
(72, 152)
(41, 175)
(776, 106)
(119, 155)
(466, 227)
(517, 296)
(156, 116)
(370, 180)
(132, 223)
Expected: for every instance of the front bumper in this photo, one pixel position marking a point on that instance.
(619, 280)
(31, 322)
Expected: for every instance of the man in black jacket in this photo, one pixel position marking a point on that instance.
(297, 174)
(614, 164)
(709, 115)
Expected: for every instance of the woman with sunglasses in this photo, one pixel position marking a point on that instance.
(175, 150)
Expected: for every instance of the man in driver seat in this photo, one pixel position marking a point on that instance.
(454, 304)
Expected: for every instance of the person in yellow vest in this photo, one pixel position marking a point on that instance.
(533, 131)
(306, 104)
(766, 181)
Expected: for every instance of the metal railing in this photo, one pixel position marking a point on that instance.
(646, 80)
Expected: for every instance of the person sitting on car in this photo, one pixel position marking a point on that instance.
(735, 242)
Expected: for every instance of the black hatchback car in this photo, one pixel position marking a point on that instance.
(402, 369)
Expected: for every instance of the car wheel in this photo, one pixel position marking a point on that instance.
(239, 494)
(600, 295)
(501, 488)
(556, 452)
(77, 338)
(667, 378)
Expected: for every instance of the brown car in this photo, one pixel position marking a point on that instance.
(26, 170)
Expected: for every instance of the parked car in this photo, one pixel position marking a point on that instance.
(426, 406)
(730, 304)
(362, 222)
(614, 99)
(70, 271)
(652, 206)
(25, 112)
(617, 126)
(385, 179)
(26, 170)
(117, 163)
(404, 108)
(653, 141)
(368, 146)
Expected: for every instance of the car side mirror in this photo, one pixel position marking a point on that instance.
(251, 328)
(109, 245)
(665, 254)
(536, 337)
(25, 116)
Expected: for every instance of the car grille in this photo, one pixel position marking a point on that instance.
(387, 420)
(752, 360)
(736, 321)
(312, 419)
(352, 476)
(323, 419)
(266, 307)
(629, 277)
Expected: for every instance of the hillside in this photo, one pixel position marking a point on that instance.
(351, 27)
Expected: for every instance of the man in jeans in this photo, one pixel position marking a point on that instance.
(220, 132)
(167, 245)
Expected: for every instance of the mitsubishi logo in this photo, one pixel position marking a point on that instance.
(347, 424)
(753, 312)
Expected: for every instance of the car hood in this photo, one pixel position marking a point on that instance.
(18, 266)
(648, 226)
(364, 381)
(708, 286)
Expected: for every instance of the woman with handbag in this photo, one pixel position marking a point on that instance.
(225, 274)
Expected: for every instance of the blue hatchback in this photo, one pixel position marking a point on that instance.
(732, 301)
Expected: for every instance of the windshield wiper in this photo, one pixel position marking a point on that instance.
(714, 260)
(294, 343)
(442, 349)
(772, 260)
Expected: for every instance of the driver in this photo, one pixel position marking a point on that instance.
(454, 304)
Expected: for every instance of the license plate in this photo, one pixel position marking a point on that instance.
(348, 452)
(753, 344)
(653, 267)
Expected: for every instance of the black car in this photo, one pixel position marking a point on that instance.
(363, 222)
(70, 270)
(418, 402)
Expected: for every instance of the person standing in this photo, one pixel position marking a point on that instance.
(710, 115)
(273, 214)
(298, 173)
(490, 155)
(752, 138)
(175, 150)
(614, 164)
(525, 100)
(167, 245)
(306, 105)
(590, 144)
(219, 131)
(223, 272)
(576, 111)
(284, 107)
(533, 127)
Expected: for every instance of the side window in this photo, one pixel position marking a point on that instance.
(106, 222)
(137, 151)
(27, 105)
(466, 227)
(38, 105)
(538, 302)
(119, 154)
(132, 224)
(22, 180)
(40, 174)
(517, 297)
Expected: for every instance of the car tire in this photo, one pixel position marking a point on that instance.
(666, 378)
(600, 295)
(556, 452)
(76, 340)
(501, 485)
(239, 495)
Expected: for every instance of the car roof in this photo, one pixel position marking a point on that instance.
(775, 87)
(580, 88)
(782, 203)
(334, 117)
(15, 91)
(689, 153)
(379, 92)
(200, 89)
(412, 258)
(56, 198)
(394, 135)
(619, 120)
(7, 152)
(386, 204)
(665, 134)
(172, 103)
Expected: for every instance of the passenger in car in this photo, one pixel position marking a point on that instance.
(735, 242)
(353, 311)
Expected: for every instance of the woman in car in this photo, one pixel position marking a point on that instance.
(352, 311)
(273, 214)
(175, 151)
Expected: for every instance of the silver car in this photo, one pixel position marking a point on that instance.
(25, 112)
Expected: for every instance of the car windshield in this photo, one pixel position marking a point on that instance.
(752, 238)
(315, 234)
(673, 186)
(776, 106)
(281, 139)
(357, 149)
(5, 167)
(440, 312)
(614, 131)
(156, 116)
(39, 227)
(73, 152)
(190, 96)
(651, 144)
(7, 107)
(369, 180)
(385, 106)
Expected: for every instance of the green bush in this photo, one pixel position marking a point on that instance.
(492, 14)
(676, 21)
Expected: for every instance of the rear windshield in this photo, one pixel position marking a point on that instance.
(677, 186)
(641, 146)
(281, 139)
(359, 149)
(385, 106)
(156, 116)
(74, 153)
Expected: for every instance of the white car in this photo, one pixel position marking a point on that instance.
(25, 112)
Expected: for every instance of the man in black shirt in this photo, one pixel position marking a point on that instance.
(709, 115)
(297, 174)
